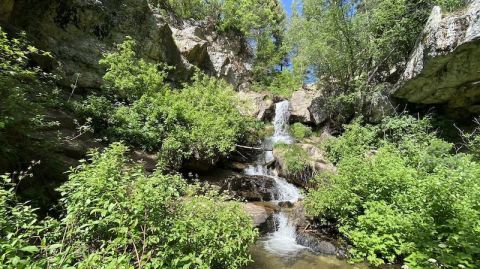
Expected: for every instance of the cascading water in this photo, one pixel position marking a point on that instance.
(283, 240)
(279, 249)
(280, 123)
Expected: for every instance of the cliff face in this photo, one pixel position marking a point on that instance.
(77, 32)
(445, 65)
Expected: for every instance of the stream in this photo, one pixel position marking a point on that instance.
(279, 249)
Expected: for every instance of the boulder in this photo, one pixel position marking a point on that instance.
(250, 188)
(258, 213)
(256, 105)
(300, 104)
(444, 66)
(316, 244)
(308, 105)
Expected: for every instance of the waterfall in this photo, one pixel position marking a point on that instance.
(280, 123)
(283, 240)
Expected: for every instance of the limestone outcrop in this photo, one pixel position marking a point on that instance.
(78, 32)
(255, 104)
(445, 67)
(308, 106)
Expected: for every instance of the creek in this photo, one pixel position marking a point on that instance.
(279, 248)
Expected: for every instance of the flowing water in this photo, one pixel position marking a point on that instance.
(279, 249)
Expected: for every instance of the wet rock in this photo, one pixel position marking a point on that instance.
(443, 69)
(256, 105)
(250, 188)
(316, 244)
(286, 204)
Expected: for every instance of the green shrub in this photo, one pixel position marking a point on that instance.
(294, 158)
(18, 228)
(25, 93)
(400, 195)
(300, 131)
(117, 216)
(201, 121)
(128, 77)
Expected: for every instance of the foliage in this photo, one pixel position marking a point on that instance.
(300, 131)
(128, 77)
(401, 195)
(282, 84)
(117, 216)
(350, 41)
(18, 226)
(200, 121)
(294, 158)
(25, 93)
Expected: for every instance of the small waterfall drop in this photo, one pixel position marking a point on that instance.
(280, 123)
(283, 240)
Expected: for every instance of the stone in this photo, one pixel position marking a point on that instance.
(300, 104)
(241, 186)
(255, 104)
(316, 244)
(444, 66)
(77, 33)
(258, 213)
(316, 163)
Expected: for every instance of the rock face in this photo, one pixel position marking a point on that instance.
(219, 55)
(250, 188)
(308, 106)
(77, 32)
(255, 104)
(445, 67)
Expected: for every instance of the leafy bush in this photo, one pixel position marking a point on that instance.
(18, 226)
(401, 195)
(300, 131)
(282, 84)
(293, 157)
(25, 94)
(200, 121)
(128, 77)
(116, 216)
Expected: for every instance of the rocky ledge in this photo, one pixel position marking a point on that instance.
(78, 32)
(445, 67)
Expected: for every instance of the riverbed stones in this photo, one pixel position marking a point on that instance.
(444, 66)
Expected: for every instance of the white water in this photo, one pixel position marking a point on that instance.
(282, 117)
(282, 242)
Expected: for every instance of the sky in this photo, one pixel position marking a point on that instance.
(287, 4)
